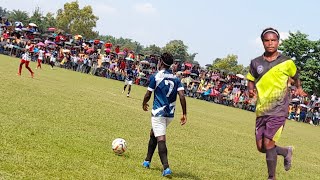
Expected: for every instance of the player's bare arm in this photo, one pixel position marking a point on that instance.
(183, 103)
(146, 99)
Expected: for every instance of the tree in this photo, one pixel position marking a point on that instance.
(17, 15)
(298, 47)
(3, 12)
(38, 19)
(245, 70)
(229, 63)
(306, 55)
(133, 46)
(49, 20)
(152, 49)
(123, 43)
(310, 76)
(177, 49)
(190, 58)
(74, 20)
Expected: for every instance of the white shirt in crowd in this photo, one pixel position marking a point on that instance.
(74, 59)
(106, 59)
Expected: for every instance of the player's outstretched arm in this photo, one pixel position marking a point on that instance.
(183, 103)
(146, 98)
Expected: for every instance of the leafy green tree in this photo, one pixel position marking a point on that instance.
(190, 58)
(49, 20)
(133, 46)
(74, 20)
(17, 15)
(3, 12)
(306, 54)
(152, 49)
(123, 43)
(310, 76)
(177, 48)
(245, 70)
(229, 64)
(298, 47)
(38, 19)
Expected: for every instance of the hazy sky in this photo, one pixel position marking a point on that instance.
(211, 28)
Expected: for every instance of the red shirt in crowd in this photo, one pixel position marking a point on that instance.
(5, 35)
(117, 49)
(122, 65)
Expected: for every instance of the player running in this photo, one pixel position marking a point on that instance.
(165, 86)
(269, 74)
(129, 79)
(53, 58)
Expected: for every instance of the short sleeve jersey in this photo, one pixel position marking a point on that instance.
(271, 81)
(165, 86)
(130, 74)
(54, 54)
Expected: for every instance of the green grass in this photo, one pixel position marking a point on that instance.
(60, 125)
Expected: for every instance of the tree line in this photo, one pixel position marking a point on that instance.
(74, 20)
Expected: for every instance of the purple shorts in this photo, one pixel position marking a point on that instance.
(269, 127)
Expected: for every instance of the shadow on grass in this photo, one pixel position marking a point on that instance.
(179, 174)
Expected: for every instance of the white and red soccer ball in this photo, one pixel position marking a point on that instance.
(119, 146)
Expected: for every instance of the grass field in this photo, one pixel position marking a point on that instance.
(60, 125)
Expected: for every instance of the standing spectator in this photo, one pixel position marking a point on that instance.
(298, 110)
(303, 114)
(94, 58)
(74, 60)
(316, 117)
(313, 99)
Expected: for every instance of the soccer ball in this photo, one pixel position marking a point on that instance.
(119, 146)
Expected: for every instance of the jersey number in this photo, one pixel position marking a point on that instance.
(171, 85)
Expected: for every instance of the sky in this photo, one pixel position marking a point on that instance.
(211, 28)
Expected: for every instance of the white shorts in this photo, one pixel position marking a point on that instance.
(126, 82)
(52, 59)
(159, 125)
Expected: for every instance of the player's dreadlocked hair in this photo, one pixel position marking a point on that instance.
(271, 30)
(167, 59)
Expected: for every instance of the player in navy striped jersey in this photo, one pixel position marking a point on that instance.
(166, 87)
(129, 79)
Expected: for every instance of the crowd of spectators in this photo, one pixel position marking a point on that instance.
(103, 59)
